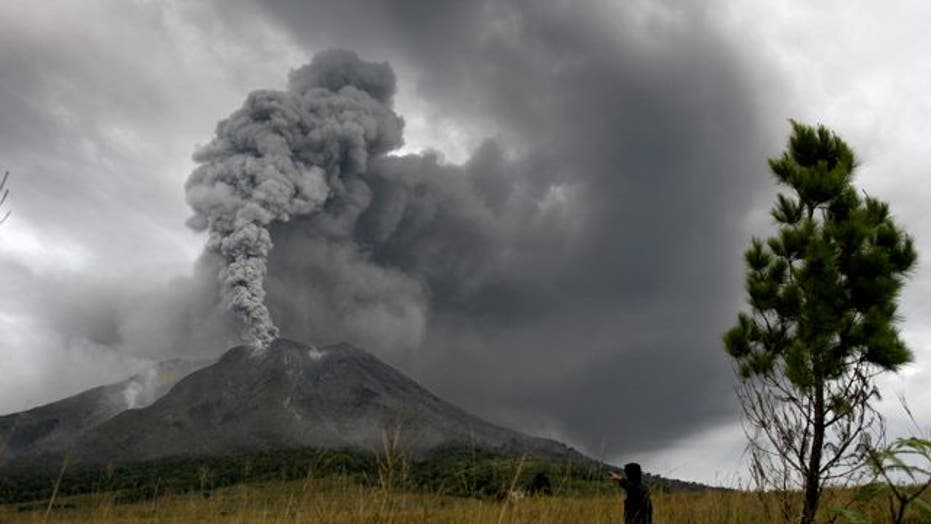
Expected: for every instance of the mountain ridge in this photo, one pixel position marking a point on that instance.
(293, 395)
(56, 425)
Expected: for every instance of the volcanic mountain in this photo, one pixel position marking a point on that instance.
(291, 396)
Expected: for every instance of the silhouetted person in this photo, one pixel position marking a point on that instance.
(540, 485)
(638, 509)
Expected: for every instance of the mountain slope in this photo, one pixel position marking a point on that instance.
(291, 396)
(57, 426)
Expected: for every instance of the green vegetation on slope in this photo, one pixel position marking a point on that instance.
(453, 470)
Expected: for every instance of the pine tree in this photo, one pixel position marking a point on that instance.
(822, 323)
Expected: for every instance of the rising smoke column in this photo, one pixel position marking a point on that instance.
(282, 155)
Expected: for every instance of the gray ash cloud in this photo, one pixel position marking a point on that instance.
(284, 155)
(572, 276)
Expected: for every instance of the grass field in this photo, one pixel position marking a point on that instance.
(341, 499)
(304, 485)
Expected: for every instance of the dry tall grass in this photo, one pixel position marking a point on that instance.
(340, 500)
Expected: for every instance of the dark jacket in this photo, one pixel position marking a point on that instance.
(638, 508)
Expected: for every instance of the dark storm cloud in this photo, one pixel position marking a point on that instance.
(99, 122)
(570, 277)
(69, 99)
(575, 273)
(177, 316)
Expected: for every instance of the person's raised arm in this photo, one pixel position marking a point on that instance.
(621, 480)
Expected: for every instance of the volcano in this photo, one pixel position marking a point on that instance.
(289, 396)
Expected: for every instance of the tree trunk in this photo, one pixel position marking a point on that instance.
(813, 475)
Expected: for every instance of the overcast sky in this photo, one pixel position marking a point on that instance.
(580, 180)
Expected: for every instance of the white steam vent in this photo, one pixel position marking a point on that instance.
(142, 389)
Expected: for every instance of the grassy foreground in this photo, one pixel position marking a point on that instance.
(343, 500)
(314, 486)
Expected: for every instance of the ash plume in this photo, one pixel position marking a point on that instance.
(286, 154)
(541, 282)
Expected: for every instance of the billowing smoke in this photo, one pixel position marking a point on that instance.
(283, 155)
(571, 278)
(539, 283)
